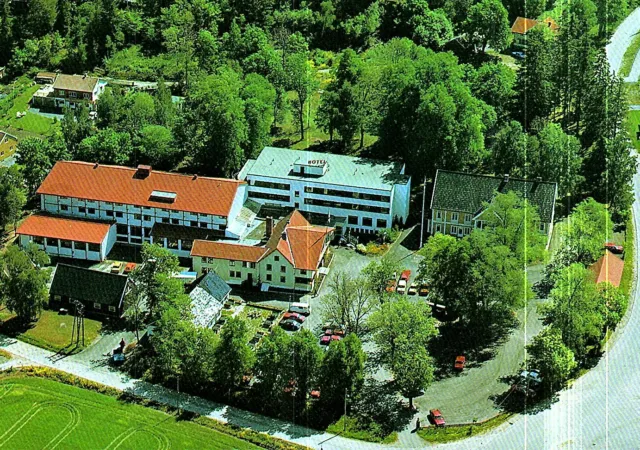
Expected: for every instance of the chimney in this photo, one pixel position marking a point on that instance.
(195, 177)
(506, 178)
(143, 171)
(284, 235)
(269, 226)
(95, 166)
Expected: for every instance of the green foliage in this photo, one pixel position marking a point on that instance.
(509, 151)
(615, 301)
(341, 372)
(37, 157)
(552, 357)
(107, 147)
(158, 147)
(23, 285)
(576, 309)
(12, 195)
(488, 25)
(349, 301)
(589, 227)
(378, 273)
(232, 355)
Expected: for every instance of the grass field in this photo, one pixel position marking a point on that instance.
(37, 413)
(633, 120)
(52, 331)
(630, 56)
(31, 123)
(456, 433)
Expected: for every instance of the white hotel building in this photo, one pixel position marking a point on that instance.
(86, 208)
(368, 194)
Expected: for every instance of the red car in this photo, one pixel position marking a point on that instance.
(328, 332)
(315, 393)
(435, 416)
(294, 316)
(336, 338)
(129, 267)
(460, 362)
(614, 248)
(405, 275)
(325, 340)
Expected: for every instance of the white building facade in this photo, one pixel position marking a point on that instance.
(368, 194)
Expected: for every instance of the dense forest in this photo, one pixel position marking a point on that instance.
(429, 82)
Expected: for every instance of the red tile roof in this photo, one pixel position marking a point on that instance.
(294, 237)
(224, 250)
(121, 185)
(69, 229)
(522, 25)
(608, 268)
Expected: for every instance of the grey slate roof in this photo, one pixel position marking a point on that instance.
(207, 299)
(466, 192)
(342, 170)
(89, 285)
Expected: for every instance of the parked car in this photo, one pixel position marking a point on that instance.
(339, 331)
(315, 394)
(518, 55)
(290, 325)
(405, 275)
(402, 287)
(300, 308)
(328, 325)
(460, 363)
(614, 248)
(118, 359)
(117, 267)
(391, 285)
(435, 416)
(424, 290)
(325, 340)
(129, 267)
(335, 337)
(295, 316)
(413, 289)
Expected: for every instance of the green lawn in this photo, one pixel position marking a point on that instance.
(52, 331)
(633, 120)
(456, 433)
(633, 93)
(630, 56)
(31, 123)
(38, 413)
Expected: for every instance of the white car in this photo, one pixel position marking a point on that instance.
(413, 289)
(402, 287)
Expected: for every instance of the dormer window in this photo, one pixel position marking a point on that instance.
(163, 196)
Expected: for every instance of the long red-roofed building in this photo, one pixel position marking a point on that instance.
(145, 205)
(290, 258)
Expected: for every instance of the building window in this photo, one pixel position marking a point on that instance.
(367, 222)
(203, 224)
(112, 309)
(74, 95)
(542, 227)
(94, 248)
(467, 230)
(467, 218)
(454, 230)
(172, 243)
(91, 210)
(108, 213)
(57, 298)
(438, 215)
(64, 208)
(283, 279)
(175, 221)
(268, 277)
(297, 193)
(119, 214)
(38, 240)
(137, 217)
(269, 267)
(97, 306)
(122, 229)
(353, 220)
(303, 272)
(232, 263)
(82, 210)
(438, 228)
(193, 223)
(146, 218)
(283, 269)
(381, 223)
(187, 244)
(65, 244)
(454, 216)
(276, 258)
(235, 274)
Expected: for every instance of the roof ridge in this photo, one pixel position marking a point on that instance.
(164, 172)
(484, 175)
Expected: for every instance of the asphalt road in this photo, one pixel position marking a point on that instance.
(621, 40)
(600, 410)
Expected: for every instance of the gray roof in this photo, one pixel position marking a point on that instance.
(89, 285)
(466, 192)
(207, 299)
(341, 170)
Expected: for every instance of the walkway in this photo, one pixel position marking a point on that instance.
(621, 40)
(27, 354)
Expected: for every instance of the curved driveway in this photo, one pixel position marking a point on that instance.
(621, 40)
